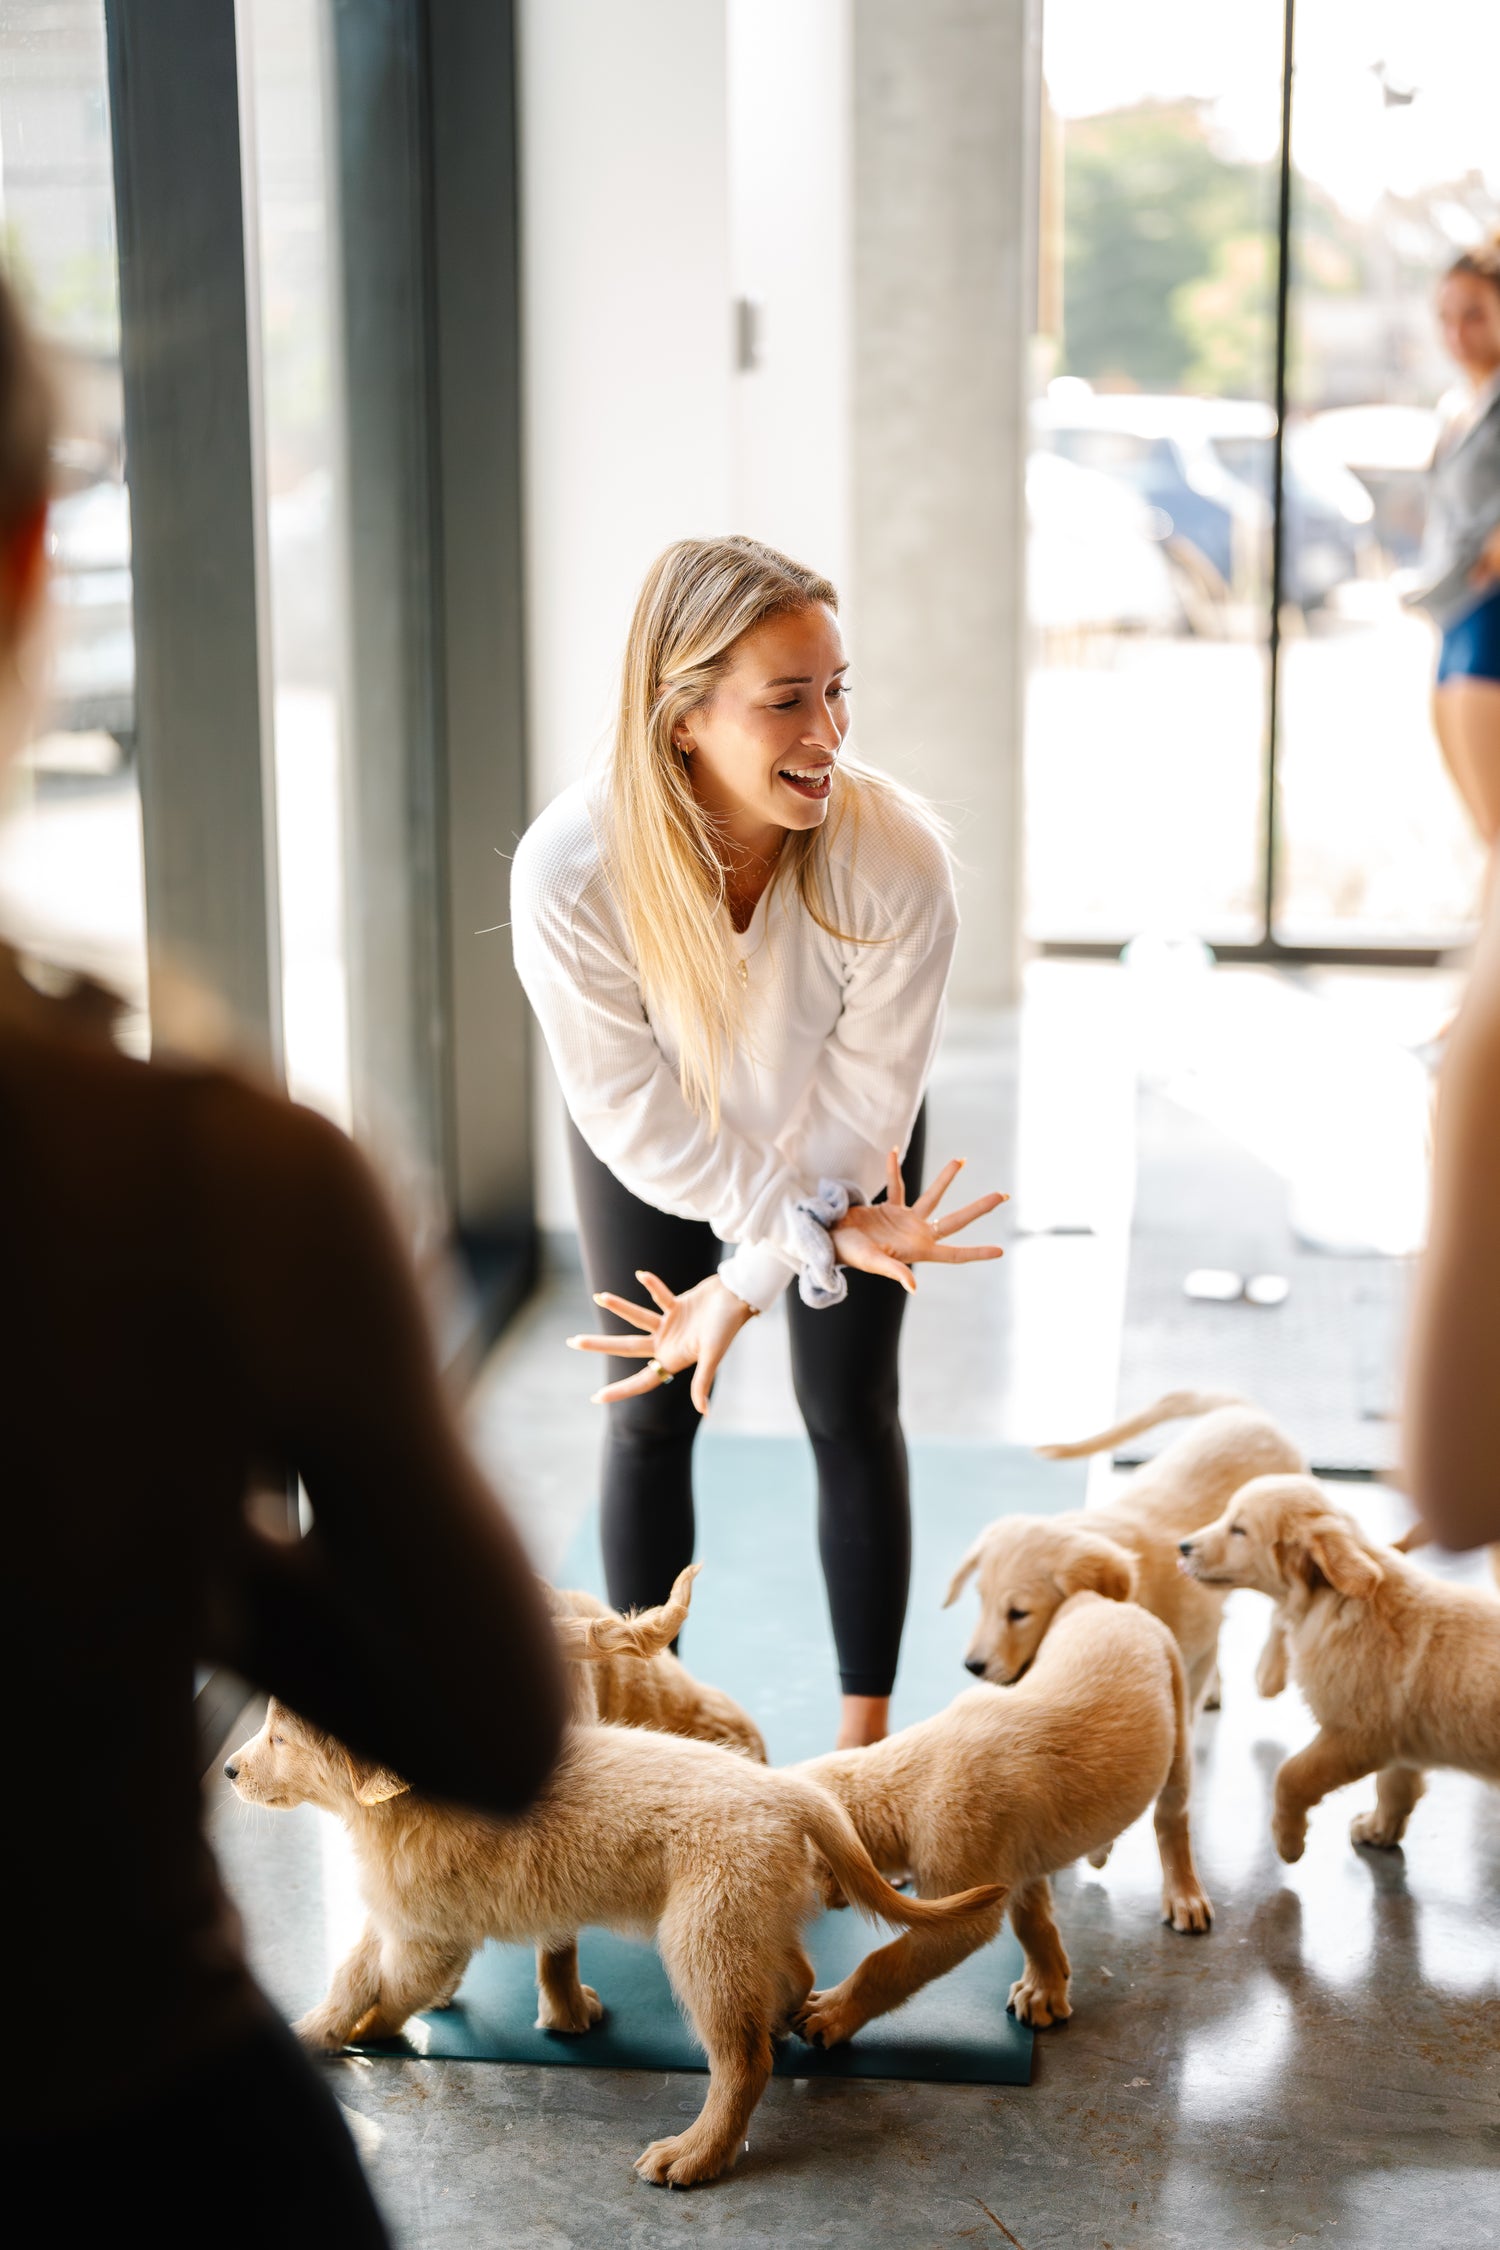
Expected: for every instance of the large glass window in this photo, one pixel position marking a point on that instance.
(1396, 165)
(289, 195)
(1186, 768)
(71, 885)
(1148, 487)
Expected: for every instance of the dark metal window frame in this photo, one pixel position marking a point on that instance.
(423, 140)
(1268, 947)
(423, 134)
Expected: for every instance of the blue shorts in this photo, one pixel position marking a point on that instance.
(1470, 650)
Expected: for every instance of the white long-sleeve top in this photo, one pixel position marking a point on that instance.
(838, 1037)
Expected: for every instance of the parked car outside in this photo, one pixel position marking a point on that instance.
(1207, 465)
(1096, 558)
(93, 665)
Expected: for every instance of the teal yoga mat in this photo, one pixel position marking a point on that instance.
(759, 1628)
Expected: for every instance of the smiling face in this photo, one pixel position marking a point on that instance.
(762, 750)
(1468, 316)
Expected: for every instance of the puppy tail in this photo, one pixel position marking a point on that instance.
(647, 1633)
(834, 1834)
(1176, 1406)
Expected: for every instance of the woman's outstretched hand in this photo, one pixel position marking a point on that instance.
(694, 1330)
(894, 1236)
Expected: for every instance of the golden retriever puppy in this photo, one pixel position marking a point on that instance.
(1401, 1671)
(622, 1672)
(1008, 1785)
(643, 1833)
(1029, 1565)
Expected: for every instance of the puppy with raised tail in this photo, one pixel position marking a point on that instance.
(644, 1833)
(1401, 1670)
(622, 1671)
(1005, 1787)
(1029, 1565)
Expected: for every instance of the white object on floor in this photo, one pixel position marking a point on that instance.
(1214, 1285)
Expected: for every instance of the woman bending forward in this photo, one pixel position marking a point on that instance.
(737, 942)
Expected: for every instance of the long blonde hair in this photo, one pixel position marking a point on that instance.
(663, 857)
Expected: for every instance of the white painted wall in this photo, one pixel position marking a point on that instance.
(628, 374)
(789, 106)
(676, 155)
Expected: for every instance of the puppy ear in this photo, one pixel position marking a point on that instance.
(1334, 1550)
(1096, 1565)
(374, 1785)
(588, 1640)
(966, 1569)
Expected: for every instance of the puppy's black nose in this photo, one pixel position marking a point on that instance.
(231, 1770)
(975, 1664)
(1184, 1546)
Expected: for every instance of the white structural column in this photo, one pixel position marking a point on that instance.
(626, 334)
(627, 364)
(944, 99)
(790, 240)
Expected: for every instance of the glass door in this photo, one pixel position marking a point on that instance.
(1237, 396)
(1396, 166)
(72, 891)
(1149, 507)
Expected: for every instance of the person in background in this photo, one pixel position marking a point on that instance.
(737, 944)
(203, 1297)
(1459, 574)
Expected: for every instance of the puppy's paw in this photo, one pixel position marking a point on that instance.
(1187, 1909)
(1270, 1672)
(575, 2015)
(1382, 1834)
(1100, 1858)
(827, 2019)
(1033, 2000)
(681, 2161)
(1289, 1835)
(322, 2033)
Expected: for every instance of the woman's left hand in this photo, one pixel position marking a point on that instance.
(893, 1236)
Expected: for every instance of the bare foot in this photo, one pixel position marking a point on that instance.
(864, 1719)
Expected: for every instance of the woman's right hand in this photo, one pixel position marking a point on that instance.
(694, 1330)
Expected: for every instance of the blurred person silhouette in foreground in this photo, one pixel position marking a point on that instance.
(203, 1296)
(1459, 573)
(1451, 1424)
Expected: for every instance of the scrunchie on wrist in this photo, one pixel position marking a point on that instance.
(822, 1280)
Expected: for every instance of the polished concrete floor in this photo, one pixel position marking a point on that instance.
(1325, 2065)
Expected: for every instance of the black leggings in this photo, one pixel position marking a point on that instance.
(844, 1370)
